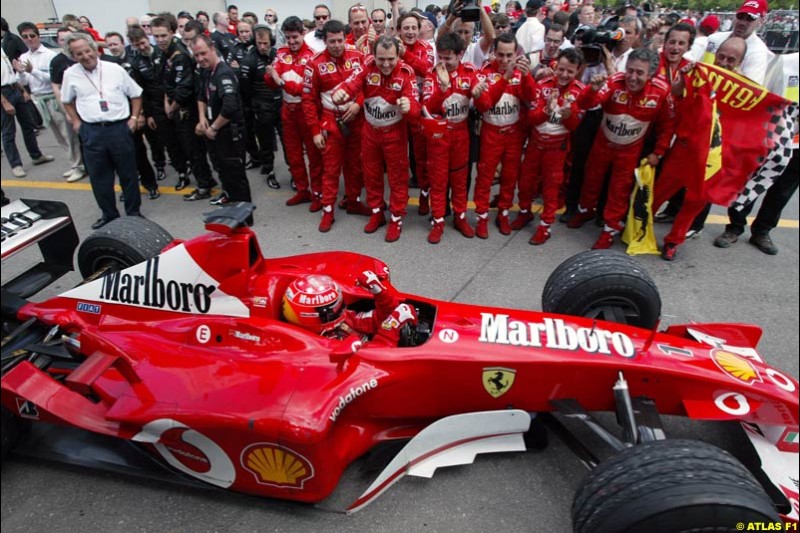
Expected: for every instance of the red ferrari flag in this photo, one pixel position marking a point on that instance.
(748, 124)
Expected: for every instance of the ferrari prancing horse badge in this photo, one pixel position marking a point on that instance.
(497, 380)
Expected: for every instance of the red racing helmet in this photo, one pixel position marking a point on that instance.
(314, 302)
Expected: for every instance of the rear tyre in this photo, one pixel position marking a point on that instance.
(603, 285)
(120, 244)
(670, 486)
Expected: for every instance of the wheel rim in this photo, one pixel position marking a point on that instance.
(108, 263)
(618, 309)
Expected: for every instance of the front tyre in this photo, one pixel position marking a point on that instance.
(603, 285)
(120, 244)
(670, 486)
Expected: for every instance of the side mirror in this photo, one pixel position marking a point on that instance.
(346, 348)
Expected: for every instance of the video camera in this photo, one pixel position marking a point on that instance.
(591, 42)
(470, 10)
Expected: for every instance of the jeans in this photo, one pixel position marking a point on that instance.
(9, 128)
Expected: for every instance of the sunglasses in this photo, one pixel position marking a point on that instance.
(745, 16)
(145, 25)
(320, 17)
(28, 35)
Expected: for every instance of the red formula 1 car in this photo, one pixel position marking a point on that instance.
(178, 354)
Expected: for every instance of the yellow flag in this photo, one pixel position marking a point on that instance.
(638, 232)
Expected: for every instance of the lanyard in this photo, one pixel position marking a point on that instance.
(100, 90)
(208, 85)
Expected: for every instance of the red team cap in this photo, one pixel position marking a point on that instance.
(754, 8)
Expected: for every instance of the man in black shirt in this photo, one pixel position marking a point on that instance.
(223, 40)
(221, 118)
(177, 74)
(146, 64)
(264, 101)
(115, 44)
(12, 45)
(235, 59)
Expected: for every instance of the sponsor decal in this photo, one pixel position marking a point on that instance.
(462, 84)
(319, 299)
(396, 86)
(326, 67)
(736, 366)
(277, 466)
(505, 108)
(448, 336)
(287, 59)
(378, 113)
(781, 381)
(620, 97)
(169, 282)
(348, 398)
(456, 109)
(732, 403)
(189, 451)
(243, 335)
(666, 349)
(348, 65)
(649, 103)
(260, 301)
(203, 334)
(495, 78)
(85, 307)
(27, 409)
(497, 380)
(621, 129)
(514, 81)
(374, 79)
(554, 334)
(789, 441)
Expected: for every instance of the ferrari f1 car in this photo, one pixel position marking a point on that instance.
(177, 355)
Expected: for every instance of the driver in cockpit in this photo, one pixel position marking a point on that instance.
(315, 302)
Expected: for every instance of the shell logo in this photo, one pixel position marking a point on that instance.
(375, 78)
(736, 366)
(272, 464)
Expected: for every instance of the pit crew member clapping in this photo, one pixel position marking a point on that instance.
(390, 94)
(503, 85)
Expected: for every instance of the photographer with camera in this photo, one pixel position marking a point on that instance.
(461, 21)
(502, 86)
(543, 62)
(633, 102)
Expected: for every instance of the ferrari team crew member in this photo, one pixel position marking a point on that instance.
(418, 54)
(336, 129)
(553, 115)
(315, 302)
(362, 35)
(180, 104)
(502, 86)
(391, 98)
(221, 119)
(286, 72)
(632, 101)
(446, 93)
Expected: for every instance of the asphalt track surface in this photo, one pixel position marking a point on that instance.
(510, 492)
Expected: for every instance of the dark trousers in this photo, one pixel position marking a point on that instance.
(165, 128)
(106, 150)
(156, 147)
(582, 141)
(228, 150)
(9, 128)
(146, 173)
(194, 147)
(266, 118)
(252, 134)
(771, 208)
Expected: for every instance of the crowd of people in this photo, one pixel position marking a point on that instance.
(555, 100)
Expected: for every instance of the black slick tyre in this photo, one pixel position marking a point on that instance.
(121, 243)
(670, 486)
(604, 285)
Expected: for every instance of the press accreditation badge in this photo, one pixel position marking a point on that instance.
(103, 105)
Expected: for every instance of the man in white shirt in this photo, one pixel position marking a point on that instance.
(314, 38)
(749, 19)
(633, 28)
(34, 71)
(96, 97)
(14, 104)
(476, 52)
(530, 35)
